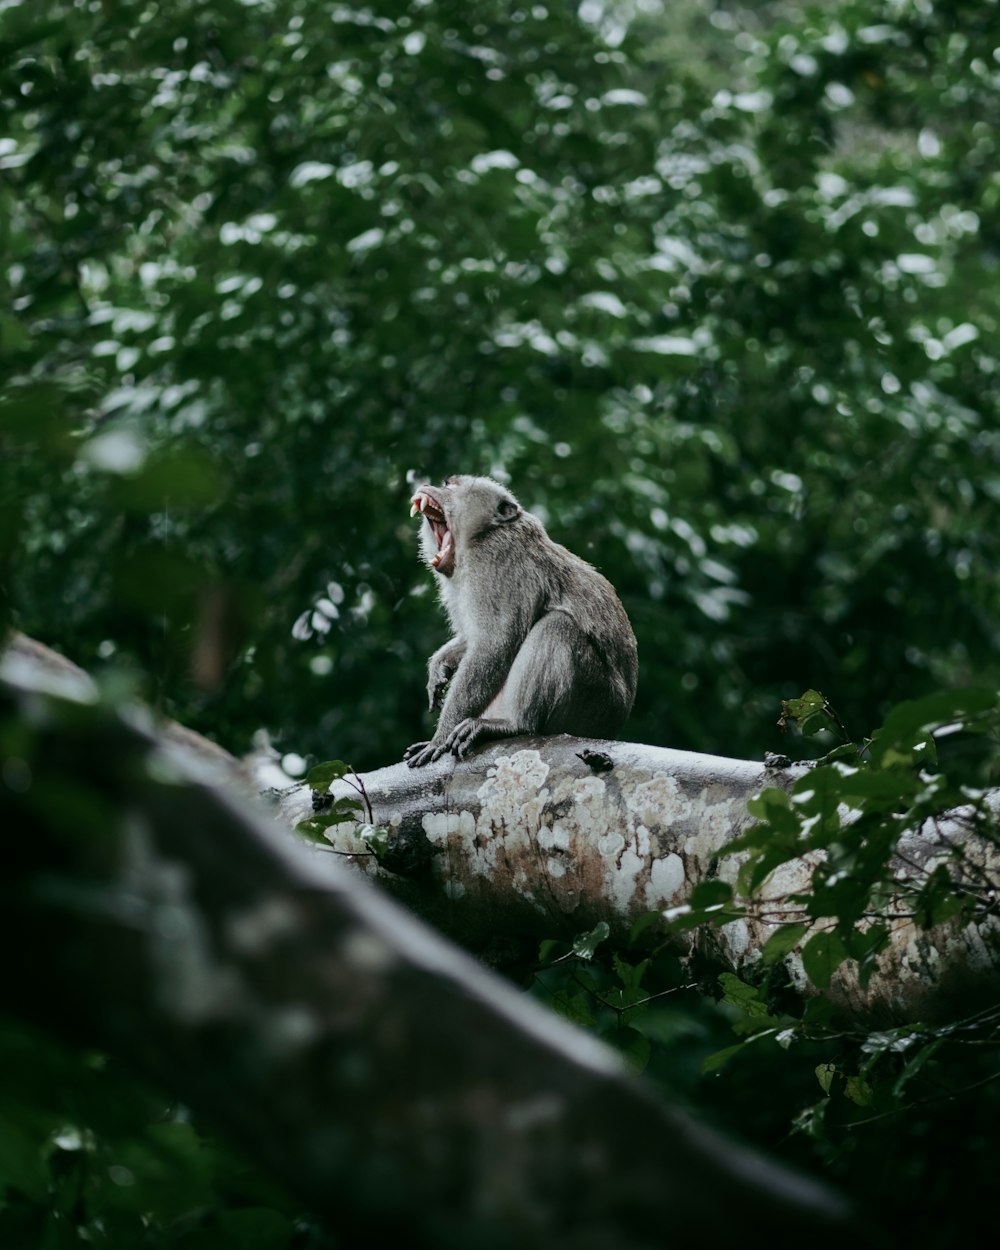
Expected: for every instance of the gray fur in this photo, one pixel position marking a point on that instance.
(542, 644)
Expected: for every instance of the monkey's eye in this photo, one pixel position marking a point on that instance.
(507, 510)
(450, 481)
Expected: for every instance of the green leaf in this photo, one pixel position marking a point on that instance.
(713, 1062)
(585, 944)
(811, 1121)
(642, 924)
(915, 1065)
(711, 894)
(783, 940)
(764, 806)
(630, 975)
(858, 1090)
(938, 900)
(320, 776)
(865, 945)
(808, 711)
(181, 477)
(825, 1072)
(315, 828)
(574, 1005)
(822, 955)
(819, 1013)
(635, 1046)
(906, 736)
(738, 994)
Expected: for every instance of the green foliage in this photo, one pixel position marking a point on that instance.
(900, 1117)
(855, 814)
(88, 1152)
(328, 811)
(714, 287)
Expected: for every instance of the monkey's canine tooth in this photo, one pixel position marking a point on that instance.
(413, 508)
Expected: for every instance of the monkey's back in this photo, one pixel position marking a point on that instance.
(576, 670)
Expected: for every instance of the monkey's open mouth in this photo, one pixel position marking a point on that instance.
(432, 512)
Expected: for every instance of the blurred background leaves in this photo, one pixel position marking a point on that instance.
(714, 288)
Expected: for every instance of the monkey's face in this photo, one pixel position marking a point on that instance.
(461, 512)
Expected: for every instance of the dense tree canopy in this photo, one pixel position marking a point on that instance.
(735, 343)
(715, 290)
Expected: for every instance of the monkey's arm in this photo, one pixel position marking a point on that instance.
(441, 667)
(476, 682)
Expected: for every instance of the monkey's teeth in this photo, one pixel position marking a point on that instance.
(413, 508)
(436, 560)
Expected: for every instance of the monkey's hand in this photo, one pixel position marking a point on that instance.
(437, 685)
(441, 668)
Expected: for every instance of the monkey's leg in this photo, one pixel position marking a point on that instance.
(541, 688)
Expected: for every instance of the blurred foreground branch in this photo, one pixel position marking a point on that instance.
(391, 1082)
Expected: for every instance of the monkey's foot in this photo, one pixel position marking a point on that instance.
(419, 754)
(475, 729)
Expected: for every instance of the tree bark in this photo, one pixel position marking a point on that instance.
(548, 836)
(395, 1085)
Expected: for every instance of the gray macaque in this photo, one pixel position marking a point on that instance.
(542, 644)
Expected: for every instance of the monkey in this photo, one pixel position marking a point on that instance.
(542, 644)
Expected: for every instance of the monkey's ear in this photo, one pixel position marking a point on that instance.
(507, 510)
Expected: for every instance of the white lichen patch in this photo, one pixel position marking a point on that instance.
(297, 805)
(346, 837)
(736, 937)
(557, 838)
(555, 867)
(440, 827)
(716, 825)
(921, 955)
(611, 845)
(658, 802)
(513, 782)
(454, 889)
(793, 877)
(622, 876)
(513, 799)
(580, 791)
(512, 795)
(666, 881)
